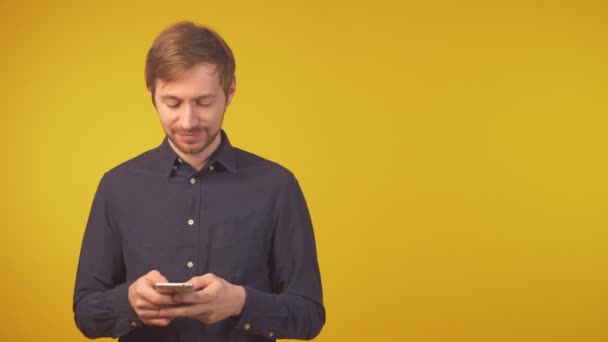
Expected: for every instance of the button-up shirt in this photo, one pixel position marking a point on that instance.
(242, 218)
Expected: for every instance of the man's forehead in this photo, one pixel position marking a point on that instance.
(179, 73)
(206, 71)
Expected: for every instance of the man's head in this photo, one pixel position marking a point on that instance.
(190, 76)
(180, 47)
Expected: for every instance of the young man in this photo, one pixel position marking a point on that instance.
(197, 210)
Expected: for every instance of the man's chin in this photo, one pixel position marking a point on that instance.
(188, 148)
(191, 149)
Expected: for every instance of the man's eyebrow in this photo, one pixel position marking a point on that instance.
(198, 98)
(169, 97)
(204, 97)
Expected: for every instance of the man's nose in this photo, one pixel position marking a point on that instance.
(188, 119)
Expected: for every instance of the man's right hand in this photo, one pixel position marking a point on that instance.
(148, 303)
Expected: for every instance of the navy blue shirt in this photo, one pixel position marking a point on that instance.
(241, 217)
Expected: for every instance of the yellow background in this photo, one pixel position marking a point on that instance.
(453, 153)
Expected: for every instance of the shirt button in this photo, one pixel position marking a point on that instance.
(211, 168)
(190, 222)
(134, 324)
(270, 334)
(247, 326)
(192, 180)
(180, 160)
(190, 264)
(175, 167)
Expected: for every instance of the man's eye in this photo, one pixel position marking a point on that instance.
(172, 105)
(203, 104)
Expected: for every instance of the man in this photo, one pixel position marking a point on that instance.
(197, 209)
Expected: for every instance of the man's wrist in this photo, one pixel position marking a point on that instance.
(241, 295)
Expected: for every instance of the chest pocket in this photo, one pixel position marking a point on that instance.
(240, 243)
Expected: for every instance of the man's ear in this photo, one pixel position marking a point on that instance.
(231, 91)
(152, 97)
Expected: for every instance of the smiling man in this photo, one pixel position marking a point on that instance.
(197, 210)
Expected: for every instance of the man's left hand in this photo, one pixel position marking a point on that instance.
(215, 299)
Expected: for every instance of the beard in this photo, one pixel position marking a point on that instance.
(196, 147)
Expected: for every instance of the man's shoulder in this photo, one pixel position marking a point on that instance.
(249, 162)
(146, 162)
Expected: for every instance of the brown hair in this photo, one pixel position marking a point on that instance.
(182, 46)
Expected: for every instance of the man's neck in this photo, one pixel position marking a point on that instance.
(199, 160)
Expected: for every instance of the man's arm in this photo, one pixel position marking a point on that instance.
(295, 308)
(101, 305)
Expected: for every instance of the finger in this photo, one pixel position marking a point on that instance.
(203, 281)
(144, 294)
(162, 322)
(144, 301)
(145, 305)
(157, 299)
(155, 277)
(186, 310)
(147, 291)
(154, 313)
(206, 295)
(151, 314)
(198, 297)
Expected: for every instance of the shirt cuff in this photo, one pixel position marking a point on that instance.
(127, 318)
(262, 314)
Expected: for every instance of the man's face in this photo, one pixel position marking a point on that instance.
(191, 108)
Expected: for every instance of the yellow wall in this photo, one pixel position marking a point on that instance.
(453, 153)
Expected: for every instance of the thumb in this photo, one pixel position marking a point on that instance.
(155, 277)
(203, 281)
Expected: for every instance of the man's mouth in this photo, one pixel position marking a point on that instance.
(189, 137)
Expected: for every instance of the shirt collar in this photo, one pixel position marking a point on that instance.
(224, 155)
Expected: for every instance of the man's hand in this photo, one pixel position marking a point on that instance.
(147, 303)
(216, 300)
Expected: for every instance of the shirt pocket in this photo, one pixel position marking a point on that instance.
(240, 243)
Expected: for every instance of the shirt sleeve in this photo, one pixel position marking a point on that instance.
(295, 308)
(101, 306)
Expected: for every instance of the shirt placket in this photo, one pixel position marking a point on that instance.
(186, 261)
(191, 226)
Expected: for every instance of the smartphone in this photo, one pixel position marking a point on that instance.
(171, 288)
